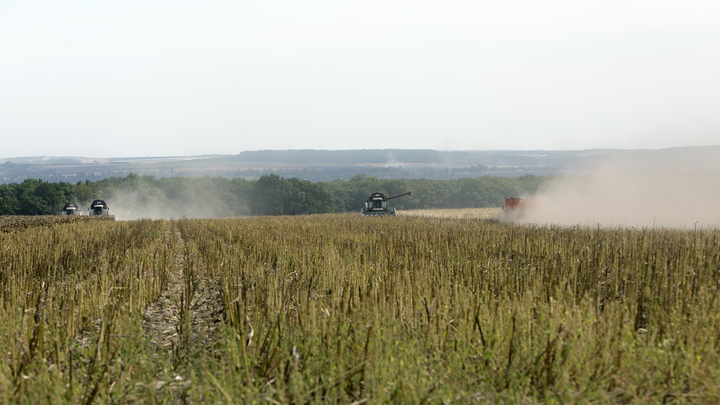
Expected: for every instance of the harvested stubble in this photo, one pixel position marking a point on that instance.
(338, 308)
(71, 297)
(413, 309)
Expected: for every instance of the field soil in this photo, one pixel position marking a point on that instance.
(164, 319)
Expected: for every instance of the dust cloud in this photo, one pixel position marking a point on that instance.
(130, 206)
(614, 196)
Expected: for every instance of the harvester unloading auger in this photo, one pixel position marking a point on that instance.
(377, 205)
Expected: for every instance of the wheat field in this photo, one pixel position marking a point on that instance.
(458, 213)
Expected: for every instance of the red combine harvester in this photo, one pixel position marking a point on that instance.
(515, 206)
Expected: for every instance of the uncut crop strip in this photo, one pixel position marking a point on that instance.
(455, 213)
(10, 223)
(339, 308)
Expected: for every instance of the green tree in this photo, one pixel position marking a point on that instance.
(273, 195)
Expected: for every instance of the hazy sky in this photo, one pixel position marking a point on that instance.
(135, 78)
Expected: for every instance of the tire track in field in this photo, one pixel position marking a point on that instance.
(179, 328)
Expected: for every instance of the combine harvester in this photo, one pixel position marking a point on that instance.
(100, 208)
(71, 209)
(377, 205)
(515, 208)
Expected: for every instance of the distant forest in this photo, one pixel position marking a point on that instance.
(269, 195)
(68, 172)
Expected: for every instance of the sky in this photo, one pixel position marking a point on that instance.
(170, 78)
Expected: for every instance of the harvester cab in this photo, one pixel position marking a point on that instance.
(71, 209)
(376, 205)
(99, 207)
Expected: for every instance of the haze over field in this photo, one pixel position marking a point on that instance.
(131, 205)
(682, 191)
(611, 197)
(139, 78)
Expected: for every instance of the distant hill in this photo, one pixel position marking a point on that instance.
(408, 156)
(690, 158)
(328, 165)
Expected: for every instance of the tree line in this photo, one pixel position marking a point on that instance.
(269, 195)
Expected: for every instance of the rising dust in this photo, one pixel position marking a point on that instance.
(615, 197)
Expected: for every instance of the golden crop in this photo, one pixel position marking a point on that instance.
(343, 309)
(458, 213)
(9, 223)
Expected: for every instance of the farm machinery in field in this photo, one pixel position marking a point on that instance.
(71, 209)
(514, 204)
(376, 205)
(515, 207)
(100, 208)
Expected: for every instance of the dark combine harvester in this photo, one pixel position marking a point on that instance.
(99, 207)
(376, 205)
(71, 209)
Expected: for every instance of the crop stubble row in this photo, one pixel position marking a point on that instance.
(341, 308)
